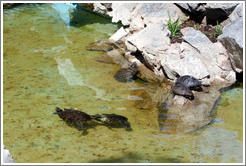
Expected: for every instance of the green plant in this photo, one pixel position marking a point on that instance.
(218, 31)
(173, 27)
(197, 27)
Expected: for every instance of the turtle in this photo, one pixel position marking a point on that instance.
(79, 119)
(113, 120)
(127, 74)
(182, 90)
(191, 82)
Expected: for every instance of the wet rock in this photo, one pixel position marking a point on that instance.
(232, 39)
(218, 11)
(237, 12)
(118, 58)
(192, 114)
(7, 158)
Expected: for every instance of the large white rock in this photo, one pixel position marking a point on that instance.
(237, 12)
(232, 39)
(200, 41)
(118, 35)
(159, 12)
(184, 60)
(122, 12)
(149, 41)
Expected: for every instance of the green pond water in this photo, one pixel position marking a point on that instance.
(46, 65)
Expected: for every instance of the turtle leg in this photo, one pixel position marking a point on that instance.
(191, 97)
(80, 127)
(173, 93)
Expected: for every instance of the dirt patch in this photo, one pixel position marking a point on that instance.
(208, 30)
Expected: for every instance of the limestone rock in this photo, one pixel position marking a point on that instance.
(122, 12)
(198, 40)
(184, 60)
(137, 23)
(149, 41)
(158, 12)
(237, 12)
(232, 39)
(98, 7)
(118, 35)
(107, 5)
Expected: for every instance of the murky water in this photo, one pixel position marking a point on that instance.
(45, 65)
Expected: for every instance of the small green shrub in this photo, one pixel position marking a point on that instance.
(218, 31)
(197, 27)
(174, 27)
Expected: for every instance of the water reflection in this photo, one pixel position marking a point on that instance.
(64, 10)
(73, 77)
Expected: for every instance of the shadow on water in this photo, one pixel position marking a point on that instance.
(81, 17)
(131, 157)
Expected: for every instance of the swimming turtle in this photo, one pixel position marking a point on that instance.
(113, 120)
(182, 90)
(127, 74)
(79, 119)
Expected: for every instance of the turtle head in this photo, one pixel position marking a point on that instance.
(134, 65)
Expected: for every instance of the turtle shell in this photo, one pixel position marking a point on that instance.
(126, 74)
(113, 120)
(182, 90)
(73, 116)
(190, 82)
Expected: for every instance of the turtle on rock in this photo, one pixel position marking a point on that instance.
(127, 74)
(185, 84)
(191, 82)
(182, 90)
